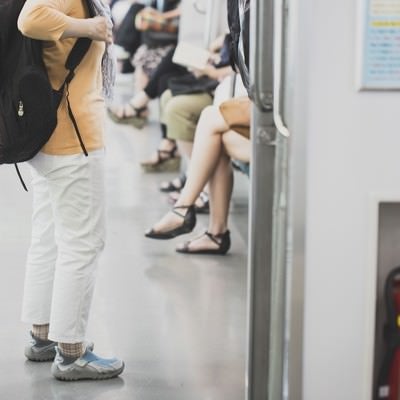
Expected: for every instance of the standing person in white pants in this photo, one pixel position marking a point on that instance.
(68, 191)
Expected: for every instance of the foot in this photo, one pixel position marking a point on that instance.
(173, 186)
(166, 158)
(201, 205)
(44, 350)
(40, 350)
(88, 366)
(207, 243)
(181, 220)
(167, 149)
(128, 113)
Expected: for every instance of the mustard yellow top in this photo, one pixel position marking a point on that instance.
(47, 20)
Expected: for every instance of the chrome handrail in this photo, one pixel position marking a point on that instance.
(278, 68)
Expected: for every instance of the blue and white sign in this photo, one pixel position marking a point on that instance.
(381, 45)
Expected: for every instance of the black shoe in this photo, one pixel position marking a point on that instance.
(205, 208)
(171, 187)
(189, 222)
(222, 240)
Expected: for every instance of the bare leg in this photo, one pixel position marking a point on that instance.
(141, 80)
(140, 99)
(206, 154)
(166, 149)
(135, 107)
(220, 186)
(237, 146)
(205, 157)
(185, 150)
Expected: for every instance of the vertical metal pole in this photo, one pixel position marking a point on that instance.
(267, 280)
(261, 201)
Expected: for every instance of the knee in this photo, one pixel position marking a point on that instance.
(211, 120)
(177, 108)
(209, 113)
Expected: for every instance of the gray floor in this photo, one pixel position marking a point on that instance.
(177, 321)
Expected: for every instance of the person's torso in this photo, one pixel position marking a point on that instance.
(85, 92)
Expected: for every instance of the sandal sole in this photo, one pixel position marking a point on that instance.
(169, 165)
(204, 252)
(137, 122)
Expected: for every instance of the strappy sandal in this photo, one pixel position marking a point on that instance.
(189, 222)
(168, 187)
(138, 118)
(222, 240)
(205, 207)
(167, 161)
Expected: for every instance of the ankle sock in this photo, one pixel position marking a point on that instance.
(41, 331)
(72, 350)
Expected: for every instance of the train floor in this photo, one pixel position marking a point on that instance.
(178, 322)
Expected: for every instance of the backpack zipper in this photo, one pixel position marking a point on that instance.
(21, 109)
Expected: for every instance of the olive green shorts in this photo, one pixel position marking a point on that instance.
(181, 113)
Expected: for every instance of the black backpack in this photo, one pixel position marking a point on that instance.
(28, 103)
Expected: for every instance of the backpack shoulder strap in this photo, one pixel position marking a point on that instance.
(78, 52)
(80, 48)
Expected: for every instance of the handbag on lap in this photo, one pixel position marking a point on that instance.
(149, 19)
(237, 113)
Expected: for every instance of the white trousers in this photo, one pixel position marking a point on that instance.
(67, 238)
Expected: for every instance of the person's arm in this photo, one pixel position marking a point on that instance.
(172, 14)
(48, 20)
(217, 73)
(217, 43)
(97, 28)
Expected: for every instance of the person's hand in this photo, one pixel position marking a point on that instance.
(101, 29)
(210, 71)
(197, 72)
(215, 58)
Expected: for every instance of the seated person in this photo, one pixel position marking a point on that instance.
(213, 148)
(155, 45)
(182, 104)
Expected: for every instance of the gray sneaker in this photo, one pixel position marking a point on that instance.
(89, 366)
(40, 350)
(44, 350)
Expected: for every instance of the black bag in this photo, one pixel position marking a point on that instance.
(189, 84)
(28, 103)
(239, 32)
(161, 39)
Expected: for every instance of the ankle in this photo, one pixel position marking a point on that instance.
(216, 230)
(72, 350)
(167, 144)
(41, 331)
(140, 100)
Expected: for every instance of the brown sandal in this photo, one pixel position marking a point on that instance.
(167, 161)
(137, 118)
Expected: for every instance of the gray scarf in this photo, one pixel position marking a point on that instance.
(109, 62)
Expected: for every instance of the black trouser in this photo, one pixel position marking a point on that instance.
(158, 82)
(127, 35)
